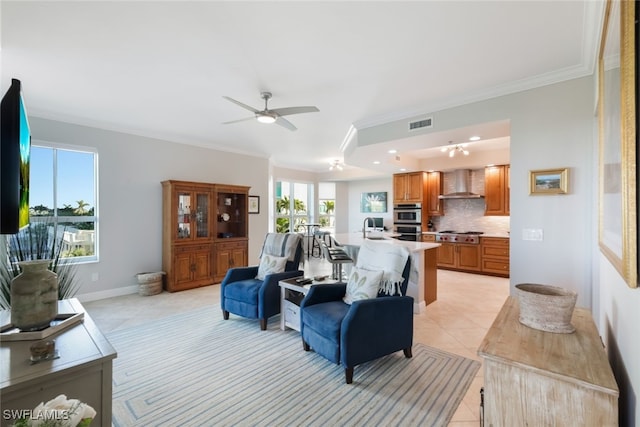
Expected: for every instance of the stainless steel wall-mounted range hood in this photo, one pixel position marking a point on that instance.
(462, 186)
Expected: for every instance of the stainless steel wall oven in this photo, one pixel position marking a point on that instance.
(407, 221)
(409, 213)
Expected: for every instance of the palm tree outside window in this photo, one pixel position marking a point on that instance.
(293, 202)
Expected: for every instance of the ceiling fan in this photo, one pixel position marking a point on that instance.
(271, 116)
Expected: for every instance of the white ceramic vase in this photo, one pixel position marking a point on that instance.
(34, 296)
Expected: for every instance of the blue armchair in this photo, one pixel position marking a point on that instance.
(353, 334)
(241, 293)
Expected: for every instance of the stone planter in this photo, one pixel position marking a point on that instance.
(546, 308)
(150, 283)
(34, 296)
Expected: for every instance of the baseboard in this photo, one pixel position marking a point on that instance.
(419, 307)
(94, 296)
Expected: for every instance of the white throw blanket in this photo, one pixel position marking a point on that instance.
(389, 258)
(281, 244)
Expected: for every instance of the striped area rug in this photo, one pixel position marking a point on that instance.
(195, 369)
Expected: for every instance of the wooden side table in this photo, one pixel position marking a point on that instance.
(539, 378)
(291, 295)
(83, 371)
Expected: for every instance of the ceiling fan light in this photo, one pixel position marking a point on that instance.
(452, 153)
(266, 118)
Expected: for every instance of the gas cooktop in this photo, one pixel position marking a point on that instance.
(452, 236)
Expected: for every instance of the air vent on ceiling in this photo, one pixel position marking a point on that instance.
(424, 123)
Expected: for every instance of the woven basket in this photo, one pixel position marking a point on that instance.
(546, 308)
(150, 283)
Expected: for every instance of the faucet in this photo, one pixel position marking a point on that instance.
(364, 226)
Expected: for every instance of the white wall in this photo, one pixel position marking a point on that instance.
(130, 197)
(356, 188)
(618, 324)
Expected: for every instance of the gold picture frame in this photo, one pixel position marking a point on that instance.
(549, 181)
(617, 219)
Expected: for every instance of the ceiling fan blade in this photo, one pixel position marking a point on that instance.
(245, 106)
(239, 120)
(285, 123)
(294, 110)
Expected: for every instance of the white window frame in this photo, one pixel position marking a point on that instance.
(62, 219)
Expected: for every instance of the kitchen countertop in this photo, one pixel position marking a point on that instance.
(356, 239)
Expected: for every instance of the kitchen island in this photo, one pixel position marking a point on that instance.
(423, 281)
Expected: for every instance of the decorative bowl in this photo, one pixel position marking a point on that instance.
(546, 308)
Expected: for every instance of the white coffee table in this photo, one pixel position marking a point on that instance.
(291, 294)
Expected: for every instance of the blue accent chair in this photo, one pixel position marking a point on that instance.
(244, 295)
(363, 331)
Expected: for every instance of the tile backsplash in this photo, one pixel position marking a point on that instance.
(468, 214)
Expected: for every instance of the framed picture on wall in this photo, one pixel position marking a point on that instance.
(548, 181)
(617, 116)
(375, 202)
(254, 204)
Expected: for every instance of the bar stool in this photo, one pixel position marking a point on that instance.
(337, 257)
(320, 236)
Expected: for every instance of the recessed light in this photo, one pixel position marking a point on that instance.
(403, 169)
(474, 138)
(392, 151)
(376, 162)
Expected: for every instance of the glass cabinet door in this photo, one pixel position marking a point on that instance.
(201, 215)
(184, 220)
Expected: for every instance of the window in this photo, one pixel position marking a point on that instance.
(63, 198)
(293, 202)
(327, 205)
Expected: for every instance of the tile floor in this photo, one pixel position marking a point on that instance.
(466, 307)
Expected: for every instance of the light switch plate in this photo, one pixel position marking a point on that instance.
(535, 234)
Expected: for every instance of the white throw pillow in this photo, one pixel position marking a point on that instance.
(270, 264)
(362, 284)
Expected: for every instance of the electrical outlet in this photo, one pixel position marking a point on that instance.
(534, 234)
(94, 277)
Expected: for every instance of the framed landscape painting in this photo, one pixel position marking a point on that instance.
(548, 181)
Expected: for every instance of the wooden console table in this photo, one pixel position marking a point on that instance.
(541, 378)
(83, 371)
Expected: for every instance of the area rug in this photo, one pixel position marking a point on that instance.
(195, 369)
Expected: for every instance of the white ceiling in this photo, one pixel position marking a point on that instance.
(160, 69)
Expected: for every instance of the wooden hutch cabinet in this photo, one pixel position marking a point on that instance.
(197, 217)
(496, 190)
(232, 223)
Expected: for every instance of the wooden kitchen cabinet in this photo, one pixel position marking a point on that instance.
(410, 187)
(196, 216)
(496, 190)
(431, 238)
(537, 378)
(495, 255)
(434, 206)
(458, 256)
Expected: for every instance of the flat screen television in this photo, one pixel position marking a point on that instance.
(15, 148)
